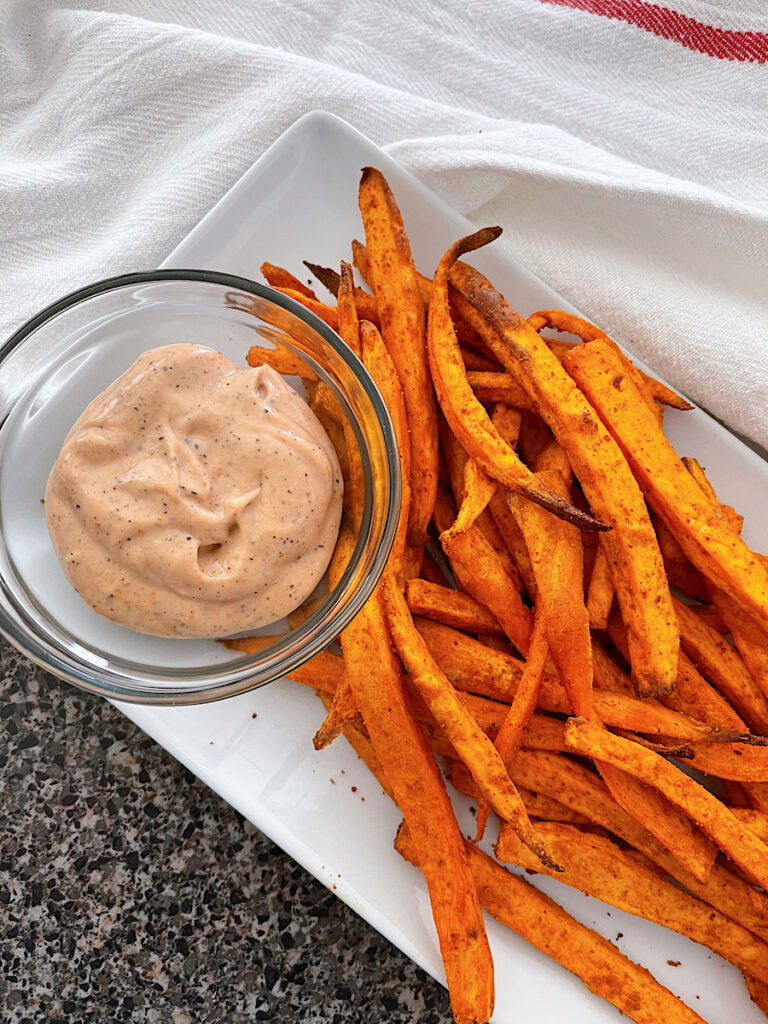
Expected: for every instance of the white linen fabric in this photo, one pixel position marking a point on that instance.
(627, 169)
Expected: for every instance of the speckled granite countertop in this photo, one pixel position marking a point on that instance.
(130, 892)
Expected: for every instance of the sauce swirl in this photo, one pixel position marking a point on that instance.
(195, 498)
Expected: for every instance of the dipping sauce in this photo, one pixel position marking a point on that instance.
(195, 498)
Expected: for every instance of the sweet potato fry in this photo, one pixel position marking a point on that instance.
(740, 762)
(420, 793)
(722, 665)
(603, 472)
(331, 279)
(599, 868)
(325, 312)
(478, 569)
(461, 729)
(694, 467)
(467, 418)
(667, 823)
(381, 367)
(477, 491)
(495, 386)
(540, 921)
(403, 329)
(713, 817)
(450, 606)
(562, 321)
(579, 789)
(758, 991)
(363, 747)
(279, 277)
(600, 592)
(709, 542)
(509, 738)
(749, 639)
(484, 487)
(282, 360)
(341, 713)
(554, 548)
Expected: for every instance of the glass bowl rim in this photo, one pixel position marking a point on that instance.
(153, 693)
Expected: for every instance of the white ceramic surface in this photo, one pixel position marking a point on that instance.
(298, 201)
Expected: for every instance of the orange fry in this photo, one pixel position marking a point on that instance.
(460, 727)
(494, 386)
(279, 277)
(605, 477)
(598, 867)
(708, 541)
(554, 548)
(403, 329)
(478, 569)
(420, 793)
(325, 312)
(722, 665)
(467, 418)
(381, 367)
(540, 921)
(562, 321)
(364, 301)
(713, 817)
(582, 791)
(450, 606)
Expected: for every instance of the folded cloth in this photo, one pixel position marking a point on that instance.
(622, 145)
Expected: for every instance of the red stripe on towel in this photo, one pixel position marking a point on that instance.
(722, 43)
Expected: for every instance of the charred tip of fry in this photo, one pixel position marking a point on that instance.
(484, 236)
(564, 510)
(734, 736)
(327, 277)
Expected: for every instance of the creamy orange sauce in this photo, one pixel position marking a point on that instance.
(194, 498)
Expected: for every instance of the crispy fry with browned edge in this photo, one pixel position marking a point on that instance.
(364, 301)
(603, 472)
(279, 277)
(713, 547)
(465, 415)
(420, 793)
(554, 548)
(450, 606)
(540, 921)
(381, 367)
(599, 868)
(713, 817)
(581, 790)
(562, 321)
(403, 328)
(478, 569)
(461, 728)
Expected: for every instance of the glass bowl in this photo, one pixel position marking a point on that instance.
(53, 367)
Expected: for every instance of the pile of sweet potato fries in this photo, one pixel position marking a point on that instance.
(592, 625)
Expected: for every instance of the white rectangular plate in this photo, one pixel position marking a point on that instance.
(299, 201)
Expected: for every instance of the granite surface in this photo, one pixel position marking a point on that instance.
(130, 892)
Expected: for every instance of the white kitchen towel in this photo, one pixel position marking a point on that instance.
(623, 146)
